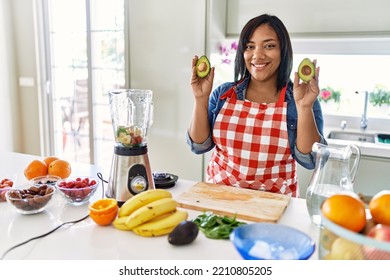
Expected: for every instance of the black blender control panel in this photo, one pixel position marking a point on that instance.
(137, 179)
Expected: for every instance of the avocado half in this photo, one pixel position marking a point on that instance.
(202, 66)
(306, 70)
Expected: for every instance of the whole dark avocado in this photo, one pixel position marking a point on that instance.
(306, 70)
(202, 66)
(184, 233)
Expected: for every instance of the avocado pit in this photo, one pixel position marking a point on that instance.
(202, 66)
(306, 70)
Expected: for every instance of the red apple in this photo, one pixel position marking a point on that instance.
(382, 233)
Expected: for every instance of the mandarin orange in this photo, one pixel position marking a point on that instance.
(49, 160)
(379, 207)
(345, 210)
(60, 168)
(34, 169)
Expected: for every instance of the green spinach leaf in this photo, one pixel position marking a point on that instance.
(216, 226)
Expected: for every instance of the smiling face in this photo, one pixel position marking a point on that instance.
(262, 54)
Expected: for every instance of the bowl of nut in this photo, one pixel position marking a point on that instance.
(30, 199)
(77, 191)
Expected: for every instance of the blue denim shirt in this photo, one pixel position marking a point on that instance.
(215, 105)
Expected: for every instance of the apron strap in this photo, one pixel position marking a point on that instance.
(282, 96)
(231, 93)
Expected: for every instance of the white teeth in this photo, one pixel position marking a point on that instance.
(259, 65)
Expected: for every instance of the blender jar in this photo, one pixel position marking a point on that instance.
(132, 115)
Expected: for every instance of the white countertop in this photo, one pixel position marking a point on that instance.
(87, 241)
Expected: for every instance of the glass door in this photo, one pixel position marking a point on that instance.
(84, 58)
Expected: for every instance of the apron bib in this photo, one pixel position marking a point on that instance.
(252, 148)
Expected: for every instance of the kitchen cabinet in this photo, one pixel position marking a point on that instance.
(373, 175)
(308, 17)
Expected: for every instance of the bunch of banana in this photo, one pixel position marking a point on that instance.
(150, 213)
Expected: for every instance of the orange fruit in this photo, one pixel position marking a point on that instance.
(379, 207)
(60, 168)
(34, 169)
(49, 160)
(103, 211)
(346, 211)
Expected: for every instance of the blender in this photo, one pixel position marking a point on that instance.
(132, 115)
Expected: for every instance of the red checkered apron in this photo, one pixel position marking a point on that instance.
(252, 148)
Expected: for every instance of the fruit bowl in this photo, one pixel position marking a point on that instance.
(30, 199)
(77, 191)
(338, 243)
(48, 180)
(267, 241)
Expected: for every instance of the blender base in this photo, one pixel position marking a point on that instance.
(130, 173)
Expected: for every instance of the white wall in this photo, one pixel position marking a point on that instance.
(25, 100)
(164, 36)
(10, 138)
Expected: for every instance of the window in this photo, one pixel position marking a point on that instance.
(85, 57)
(351, 76)
(349, 65)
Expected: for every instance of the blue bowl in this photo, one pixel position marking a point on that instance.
(267, 241)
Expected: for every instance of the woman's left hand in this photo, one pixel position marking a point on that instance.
(306, 93)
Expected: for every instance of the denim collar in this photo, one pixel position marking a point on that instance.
(241, 86)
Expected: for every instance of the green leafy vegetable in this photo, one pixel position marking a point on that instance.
(215, 226)
(121, 130)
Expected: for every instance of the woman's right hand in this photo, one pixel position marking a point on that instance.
(201, 87)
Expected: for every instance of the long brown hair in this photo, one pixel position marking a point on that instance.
(286, 54)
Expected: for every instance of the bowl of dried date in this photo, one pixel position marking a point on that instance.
(77, 191)
(5, 185)
(30, 199)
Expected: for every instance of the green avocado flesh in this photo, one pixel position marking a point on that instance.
(306, 70)
(202, 66)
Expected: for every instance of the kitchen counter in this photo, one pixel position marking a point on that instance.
(352, 124)
(87, 241)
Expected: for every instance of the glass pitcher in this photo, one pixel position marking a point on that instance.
(333, 174)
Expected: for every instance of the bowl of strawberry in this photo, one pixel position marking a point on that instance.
(77, 191)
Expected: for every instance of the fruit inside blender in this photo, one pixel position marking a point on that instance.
(131, 136)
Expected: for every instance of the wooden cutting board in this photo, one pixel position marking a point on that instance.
(247, 204)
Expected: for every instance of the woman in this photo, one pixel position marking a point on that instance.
(261, 124)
